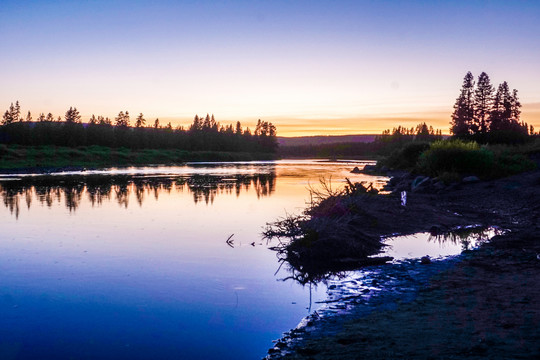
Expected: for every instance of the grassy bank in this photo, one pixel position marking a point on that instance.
(24, 157)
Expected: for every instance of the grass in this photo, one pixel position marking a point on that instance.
(23, 157)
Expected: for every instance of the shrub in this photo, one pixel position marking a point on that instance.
(461, 157)
(508, 163)
(407, 156)
(456, 156)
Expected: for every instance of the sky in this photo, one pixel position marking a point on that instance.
(309, 67)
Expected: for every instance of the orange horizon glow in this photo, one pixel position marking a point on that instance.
(293, 126)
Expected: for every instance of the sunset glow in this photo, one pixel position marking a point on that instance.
(310, 67)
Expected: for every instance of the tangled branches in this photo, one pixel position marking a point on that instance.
(328, 236)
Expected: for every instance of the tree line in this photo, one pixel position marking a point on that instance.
(384, 144)
(487, 115)
(204, 134)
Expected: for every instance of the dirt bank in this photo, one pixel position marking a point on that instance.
(486, 306)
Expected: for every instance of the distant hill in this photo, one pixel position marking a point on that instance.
(323, 139)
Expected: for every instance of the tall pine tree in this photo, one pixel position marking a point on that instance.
(483, 102)
(140, 121)
(462, 118)
(72, 115)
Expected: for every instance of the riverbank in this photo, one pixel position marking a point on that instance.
(54, 158)
(485, 306)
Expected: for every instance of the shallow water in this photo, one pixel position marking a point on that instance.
(438, 246)
(134, 263)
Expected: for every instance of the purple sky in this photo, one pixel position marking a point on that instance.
(310, 67)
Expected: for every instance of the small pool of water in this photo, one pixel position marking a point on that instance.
(438, 245)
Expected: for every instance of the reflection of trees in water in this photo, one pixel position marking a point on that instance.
(467, 237)
(206, 187)
(10, 198)
(98, 192)
(306, 271)
(71, 189)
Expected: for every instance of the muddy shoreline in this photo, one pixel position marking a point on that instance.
(485, 305)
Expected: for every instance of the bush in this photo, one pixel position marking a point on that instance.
(407, 156)
(469, 158)
(456, 156)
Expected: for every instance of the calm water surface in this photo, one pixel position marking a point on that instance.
(133, 263)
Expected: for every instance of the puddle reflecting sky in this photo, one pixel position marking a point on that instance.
(438, 246)
(133, 263)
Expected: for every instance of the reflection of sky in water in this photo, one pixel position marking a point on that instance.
(153, 278)
(436, 246)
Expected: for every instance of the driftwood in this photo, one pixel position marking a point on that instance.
(230, 241)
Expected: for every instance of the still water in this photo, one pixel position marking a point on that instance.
(153, 262)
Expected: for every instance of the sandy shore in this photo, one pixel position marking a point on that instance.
(485, 306)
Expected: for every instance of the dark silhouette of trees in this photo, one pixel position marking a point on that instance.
(140, 121)
(73, 132)
(389, 142)
(266, 134)
(72, 116)
(17, 112)
(483, 103)
(11, 115)
(401, 135)
(204, 134)
(463, 115)
(122, 120)
(427, 134)
(484, 115)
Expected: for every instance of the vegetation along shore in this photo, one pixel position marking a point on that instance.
(486, 305)
(48, 158)
(49, 143)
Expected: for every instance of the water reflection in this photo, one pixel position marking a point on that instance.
(204, 188)
(78, 268)
(401, 248)
(467, 238)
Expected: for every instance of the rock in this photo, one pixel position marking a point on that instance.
(356, 170)
(393, 181)
(369, 168)
(403, 186)
(470, 179)
(420, 182)
(439, 185)
(425, 260)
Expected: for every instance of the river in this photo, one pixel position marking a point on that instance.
(152, 262)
